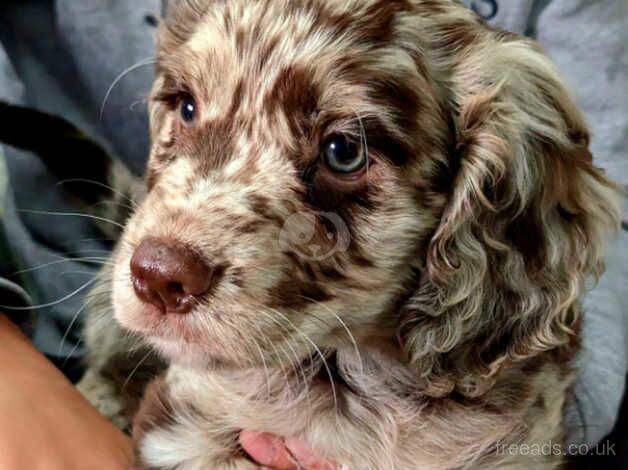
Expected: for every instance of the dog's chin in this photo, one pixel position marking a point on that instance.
(172, 336)
(190, 355)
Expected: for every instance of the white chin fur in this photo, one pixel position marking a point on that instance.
(182, 353)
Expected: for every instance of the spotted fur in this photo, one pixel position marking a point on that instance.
(443, 316)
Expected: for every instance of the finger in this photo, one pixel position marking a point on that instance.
(267, 449)
(306, 458)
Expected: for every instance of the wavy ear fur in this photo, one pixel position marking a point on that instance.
(526, 220)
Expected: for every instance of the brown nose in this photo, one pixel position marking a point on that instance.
(169, 275)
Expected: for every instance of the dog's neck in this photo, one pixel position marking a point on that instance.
(365, 368)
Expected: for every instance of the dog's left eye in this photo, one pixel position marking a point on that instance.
(187, 108)
(342, 155)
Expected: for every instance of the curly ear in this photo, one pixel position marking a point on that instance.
(525, 223)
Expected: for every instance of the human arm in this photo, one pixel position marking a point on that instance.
(44, 421)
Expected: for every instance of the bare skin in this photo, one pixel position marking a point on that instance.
(46, 424)
(281, 453)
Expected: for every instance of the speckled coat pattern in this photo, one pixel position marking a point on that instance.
(436, 319)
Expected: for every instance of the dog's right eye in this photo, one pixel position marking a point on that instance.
(342, 155)
(187, 108)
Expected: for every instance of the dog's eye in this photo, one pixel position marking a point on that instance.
(342, 155)
(188, 109)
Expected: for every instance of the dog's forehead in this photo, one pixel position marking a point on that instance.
(250, 46)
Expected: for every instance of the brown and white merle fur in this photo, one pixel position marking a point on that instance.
(440, 323)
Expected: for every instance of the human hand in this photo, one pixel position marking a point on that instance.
(44, 420)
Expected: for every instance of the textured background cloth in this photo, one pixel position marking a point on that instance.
(61, 57)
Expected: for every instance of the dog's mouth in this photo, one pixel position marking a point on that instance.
(180, 338)
(182, 325)
(152, 323)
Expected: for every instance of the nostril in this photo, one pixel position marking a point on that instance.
(176, 288)
(146, 294)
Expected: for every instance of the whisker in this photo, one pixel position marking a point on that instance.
(285, 338)
(141, 63)
(98, 239)
(72, 351)
(93, 260)
(364, 143)
(266, 340)
(97, 183)
(56, 302)
(72, 214)
(294, 353)
(346, 328)
(111, 203)
(86, 273)
(318, 351)
(67, 330)
(135, 369)
(102, 251)
(143, 101)
(266, 373)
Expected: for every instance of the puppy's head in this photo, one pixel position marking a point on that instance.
(328, 172)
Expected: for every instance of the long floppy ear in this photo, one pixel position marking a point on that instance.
(526, 220)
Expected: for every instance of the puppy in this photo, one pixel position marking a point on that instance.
(368, 225)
